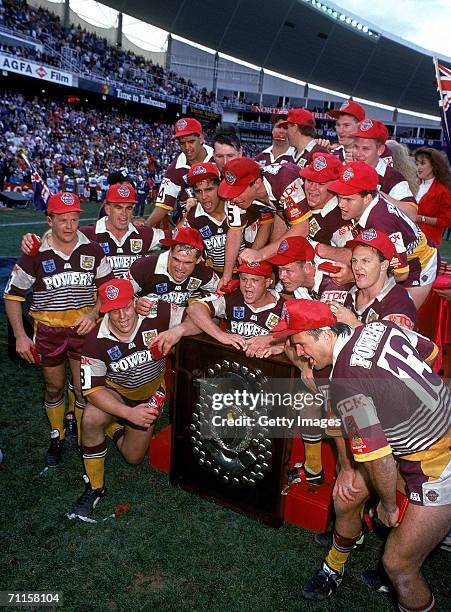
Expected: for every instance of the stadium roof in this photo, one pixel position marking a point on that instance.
(301, 39)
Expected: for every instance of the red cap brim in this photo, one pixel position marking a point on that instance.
(284, 124)
(227, 192)
(343, 189)
(119, 303)
(281, 260)
(169, 242)
(187, 132)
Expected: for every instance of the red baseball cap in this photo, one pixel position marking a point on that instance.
(185, 235)
(203, 171)
(370, 128)
(355, 177)
(258, 268)
(186, 126)
(295, 248)
(63, 202)
(322, 169)
(301, 315)
(300, 116)
(239, 173)
(348, 108)
(378, 240)
(280, 113)
(120, 192)
(114, 294)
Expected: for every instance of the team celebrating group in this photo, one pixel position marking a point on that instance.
(311, 250)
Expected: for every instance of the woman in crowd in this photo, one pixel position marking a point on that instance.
(434, 193)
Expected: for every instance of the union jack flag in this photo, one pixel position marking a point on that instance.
(41, 192)
(443, 75)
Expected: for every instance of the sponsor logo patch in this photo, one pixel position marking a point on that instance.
(49, 266)
(348, 174)
(111, 292)
(230, 178)
(114, 353)
(319, 164)
(105, 247)
(136, 245)
(67, 199)
(87, 262)
(238, 312)
(149, 335)
(161, 287)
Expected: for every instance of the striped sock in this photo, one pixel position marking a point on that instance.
(313, 461)
(430, 607)
(340, 551)
(79, 409)
(55, 414)
(94, 461)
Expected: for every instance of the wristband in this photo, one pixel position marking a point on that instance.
(423, 219)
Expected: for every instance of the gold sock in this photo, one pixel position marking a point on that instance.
(112, 429)
(94, 461)
(313, 461)
(55, 414)
(340, 551)
(79, 409)
(70, 397)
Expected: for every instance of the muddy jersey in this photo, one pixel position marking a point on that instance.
(128, 367)
(266, 157)
(389, 400)
(244, 319)
(150, 277)
(136, 243)
(174, 186)
(64, 286)
(325, 222)
(392, 303)
(304, 157)
(393, 183)
(214, 235)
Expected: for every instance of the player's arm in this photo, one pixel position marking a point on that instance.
(326, 251)
(383, 476)
(140, 415)
(156, 216)
(13, 309)
(408, 207)
(167, 339)
(166, 199)
(200, 314)
(232, 248)
(252, 255)
(263, 234)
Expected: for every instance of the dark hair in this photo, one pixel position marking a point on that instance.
(186, 248)
(339, 329)
(439, 163)
(227, 135)
(214, 180)
(372, 192)
(307, 130)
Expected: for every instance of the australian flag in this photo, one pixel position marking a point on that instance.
(443, 75)
(41, 193)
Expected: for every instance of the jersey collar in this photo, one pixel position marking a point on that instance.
(325, 210)
(181, 158)
(45, 246)
(101, 228)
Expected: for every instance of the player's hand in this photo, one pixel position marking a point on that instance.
(23, 348)
(249, 256)
(27, 243)
(323, 142)
(142, 306)
(224, 280)
(142, 415)
(343, 314)
(234, 340)
(85, 324)
(257, 346)
(344, 276)
(388, 516)
(190, 203)
(307, 375)
(167, 339)
(344, 489)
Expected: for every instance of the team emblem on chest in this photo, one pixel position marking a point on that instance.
(87, 262)
(194, 283)
(149, 335)
(136, 245)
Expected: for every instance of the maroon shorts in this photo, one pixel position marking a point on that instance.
(56, 344)
(425, 490)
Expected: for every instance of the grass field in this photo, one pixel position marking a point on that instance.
(171, 551)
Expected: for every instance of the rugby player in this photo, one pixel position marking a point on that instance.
(363, 207)
(119, 375)
(396, 412)
(276, 188)
(280, 151)
(226, 146)
(250, 312)
(301, 132)
(174, 189)
(63, 276)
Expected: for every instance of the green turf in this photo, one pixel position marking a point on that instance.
(171, 551)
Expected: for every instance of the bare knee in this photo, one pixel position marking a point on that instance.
(53, 393)
(397, 565)
(93, 419)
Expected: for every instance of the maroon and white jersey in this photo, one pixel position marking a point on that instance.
(410, 242)
(244, 319)
(128, 366)
(325, 221)
(339, 151)
(267, 157)
(393, 303)
(174, 186)
(393, 183)
(285, 192)
(150, 278)
(64, 286)
(248, 219)
(304, 157)
(214, 234)
(389, 399)
(138, 241)
(387, 156)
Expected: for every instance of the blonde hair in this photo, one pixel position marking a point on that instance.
(404, 163)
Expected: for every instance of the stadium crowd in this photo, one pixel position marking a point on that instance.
(93, 54)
